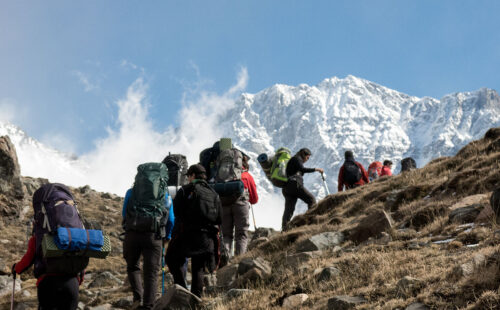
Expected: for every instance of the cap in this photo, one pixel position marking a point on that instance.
(196, 169)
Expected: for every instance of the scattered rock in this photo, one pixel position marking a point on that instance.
(255, 243)
(124, 303)
(294, 260)
(486, 215)
(226, 275)
(321, 242)
(371, 226)
(177, 297)
(107, 196)
(234, 293)
(468, 268)
(407, 286)
(84, 189)
(6, 285)
(259, 263)
(495, 203)
(295, 301)
(344, 302)
(251, 276)
(326, 274)
(263, 232)
(465, 214)
(417, 306)
(105, 279)
(101, 307)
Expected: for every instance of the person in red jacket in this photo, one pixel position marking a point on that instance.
(386, 169)
(235, 217)
(351, 174)
(54, 291)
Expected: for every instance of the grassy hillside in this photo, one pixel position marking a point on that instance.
(427, 256)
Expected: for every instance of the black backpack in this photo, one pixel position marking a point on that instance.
(177, 166)
(208, 158)
(352, 173)
(408, 163)
(204, 206)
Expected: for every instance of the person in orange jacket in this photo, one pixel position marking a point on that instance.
(386, 169)
(351, 174)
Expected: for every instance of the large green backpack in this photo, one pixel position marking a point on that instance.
(146, 210)
(278, 169)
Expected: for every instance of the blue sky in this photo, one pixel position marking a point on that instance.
(64, 65)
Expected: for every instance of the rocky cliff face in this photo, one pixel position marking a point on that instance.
(11, 187)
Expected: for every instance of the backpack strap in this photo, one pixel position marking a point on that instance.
(46, 223)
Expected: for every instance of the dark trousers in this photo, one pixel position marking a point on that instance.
(176, 262)
(58, 293)
(145, 244)
(292, 191)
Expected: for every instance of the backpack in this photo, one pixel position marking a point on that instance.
(203, 207)
(352, 173)
(55, 207)
(278, 168)
(145, 209)
(374, 170)
(408, 163)
(207, 159)
(177, 166)
(229, 165)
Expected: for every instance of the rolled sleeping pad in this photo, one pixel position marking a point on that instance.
(266, 163)
(228, 188)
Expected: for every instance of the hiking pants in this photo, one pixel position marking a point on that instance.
(176, 262)
(58, 293)
(292, 191)
(145, 244)
(235, 225)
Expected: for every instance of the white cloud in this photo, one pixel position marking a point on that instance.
(85, 81)
(8, 110)
(59, 141)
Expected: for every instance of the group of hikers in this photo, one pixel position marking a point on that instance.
(194, 212)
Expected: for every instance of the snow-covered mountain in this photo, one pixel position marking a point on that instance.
(375, 122)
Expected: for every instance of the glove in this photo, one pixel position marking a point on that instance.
(13, 271)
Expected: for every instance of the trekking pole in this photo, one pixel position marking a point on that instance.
(324, 183)
(13, 291)
(162, 270)
(253, 216)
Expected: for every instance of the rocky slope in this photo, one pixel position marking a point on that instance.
(425, 239)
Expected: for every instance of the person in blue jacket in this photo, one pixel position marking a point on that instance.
(149, 245)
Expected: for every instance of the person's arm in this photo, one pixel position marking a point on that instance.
(340, 185)
(364, 173)
(304, 169)
(28, 258)
(170, 221)
(252, 189)
(125, 201)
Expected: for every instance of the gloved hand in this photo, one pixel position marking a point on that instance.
(13, 271)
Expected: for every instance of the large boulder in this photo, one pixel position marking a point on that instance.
(321, 242)
(371, 226)
(11, 187)
(226, 275)
(177, 298)
(344, 302)
(465, 214)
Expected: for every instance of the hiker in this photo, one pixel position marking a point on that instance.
(235, 216)
(198, 213)
(408, 164)
(386, 169)
(58, 278)
(148, 220)
(294, 188)
(351, 174)
(374, 170)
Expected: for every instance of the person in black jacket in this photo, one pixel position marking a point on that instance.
(193, 235)
(294, 189)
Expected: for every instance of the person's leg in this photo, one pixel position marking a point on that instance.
(152, 260)
(58, 292)
(176, 262)
(305, 196)
(132, 250)
(290, 201)
(241, 224)
(197, 266)
(227, 227)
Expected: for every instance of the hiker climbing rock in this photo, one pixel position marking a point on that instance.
(294, 188)
(198, 213)
(235, 216)
(351, 174)
(58, 277)
(148, 218)
(386, 169)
